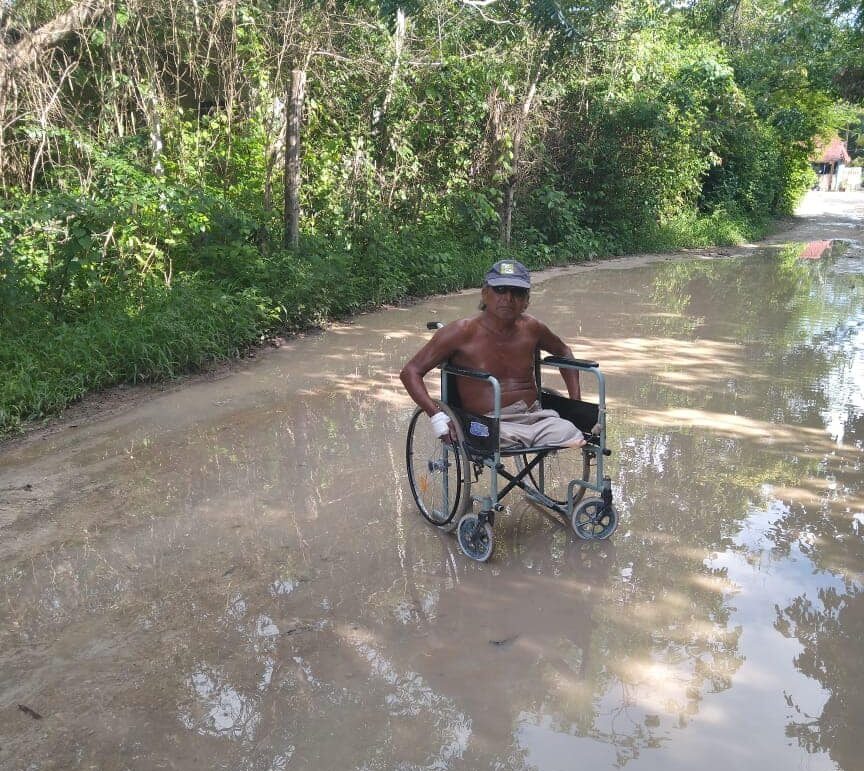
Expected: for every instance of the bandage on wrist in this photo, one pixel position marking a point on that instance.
(440, 423)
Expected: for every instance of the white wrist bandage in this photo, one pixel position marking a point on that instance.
(440, 423)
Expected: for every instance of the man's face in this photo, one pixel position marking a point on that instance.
(505, 301)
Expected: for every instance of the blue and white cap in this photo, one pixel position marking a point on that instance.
(508, 273)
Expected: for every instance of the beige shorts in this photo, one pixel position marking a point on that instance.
(533, 426)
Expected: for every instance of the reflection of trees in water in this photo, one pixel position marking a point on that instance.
(684, 495)
(595, 621)
(623, 644)
(643, 634)
(743, 293)
(525, 636)
(316, 691)
(794, 317)
(772, 300)
(796, 321)
(654, 633)
(668, 642)
(830, 625)
(779, 354)
(305, 458)
(830, 631)
(772, 305)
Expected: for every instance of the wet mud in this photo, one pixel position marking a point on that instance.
(233, 574)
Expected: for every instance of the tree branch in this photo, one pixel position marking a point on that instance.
(28, 50)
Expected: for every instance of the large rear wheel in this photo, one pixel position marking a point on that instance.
(438, 472)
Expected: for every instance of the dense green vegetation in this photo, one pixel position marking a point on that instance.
(142, 148)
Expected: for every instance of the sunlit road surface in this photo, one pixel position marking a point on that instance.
(233, 574)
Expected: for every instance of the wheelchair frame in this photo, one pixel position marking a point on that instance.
(479, 446)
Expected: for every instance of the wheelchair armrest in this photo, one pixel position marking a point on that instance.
(556, 361)
(465, 372)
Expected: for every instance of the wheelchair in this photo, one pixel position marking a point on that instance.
(441, 474)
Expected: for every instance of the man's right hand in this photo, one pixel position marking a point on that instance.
(443, 427)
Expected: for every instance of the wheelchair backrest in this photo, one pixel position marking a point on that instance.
(583, 415)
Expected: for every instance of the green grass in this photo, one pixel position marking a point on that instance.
(689, 230)
(164, 333)
(154, 333)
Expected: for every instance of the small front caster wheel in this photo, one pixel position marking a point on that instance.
(475, 540)
(594, 520)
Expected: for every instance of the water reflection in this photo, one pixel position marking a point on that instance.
(225, 710)
(829, 627)
(806, 539)
(831, 247)
(265, 578)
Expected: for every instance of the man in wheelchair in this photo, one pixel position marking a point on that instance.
(493, 408)
(502, 340)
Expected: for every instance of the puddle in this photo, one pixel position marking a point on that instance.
(233, 575)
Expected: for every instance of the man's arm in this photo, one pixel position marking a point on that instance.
(444, 343)
(440, 348)
(553, 344)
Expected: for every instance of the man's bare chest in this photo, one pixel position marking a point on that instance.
(502, 356)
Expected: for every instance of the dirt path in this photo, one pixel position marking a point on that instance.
(230, 572)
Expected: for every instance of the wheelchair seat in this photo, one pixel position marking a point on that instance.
(482, 432)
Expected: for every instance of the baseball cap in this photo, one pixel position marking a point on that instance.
(508, 273)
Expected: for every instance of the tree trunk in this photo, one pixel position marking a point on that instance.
(293, 120)
(32, 45)
(506, 214)
(155, 121)
(379, 116)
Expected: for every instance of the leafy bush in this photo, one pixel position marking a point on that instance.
(110, 271)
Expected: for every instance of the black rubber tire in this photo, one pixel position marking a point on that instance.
(431, 465)
(479, 548)
(594, 520)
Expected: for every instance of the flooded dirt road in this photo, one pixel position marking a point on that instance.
(232, 575)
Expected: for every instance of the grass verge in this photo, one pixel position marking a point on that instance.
(159, 332)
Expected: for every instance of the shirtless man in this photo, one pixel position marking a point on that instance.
(501, 340)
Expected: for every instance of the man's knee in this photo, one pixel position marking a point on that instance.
(562, 433)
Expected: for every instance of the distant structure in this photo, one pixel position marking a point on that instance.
(831, 164)
(815, 249)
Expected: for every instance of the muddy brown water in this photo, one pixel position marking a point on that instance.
(233, 575)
